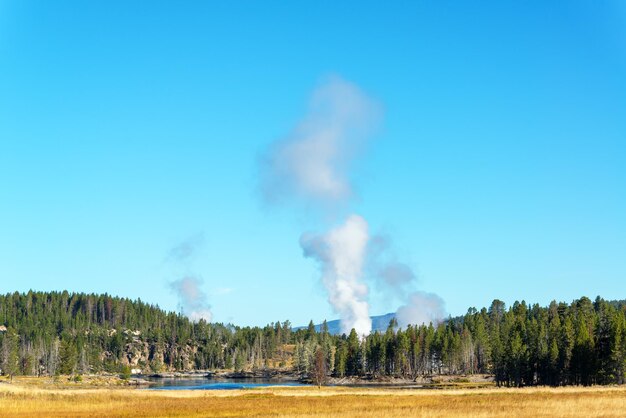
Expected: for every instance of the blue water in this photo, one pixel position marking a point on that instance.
(215, 384)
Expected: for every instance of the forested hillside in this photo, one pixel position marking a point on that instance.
(61, 333)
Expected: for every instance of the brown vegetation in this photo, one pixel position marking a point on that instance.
(32, 400)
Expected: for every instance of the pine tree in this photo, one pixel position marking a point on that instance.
(10, 353)
(68, 357)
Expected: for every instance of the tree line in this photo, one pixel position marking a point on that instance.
(52, 333)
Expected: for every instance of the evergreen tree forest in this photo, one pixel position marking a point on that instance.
(61, 333)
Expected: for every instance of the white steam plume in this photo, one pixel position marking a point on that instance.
(341, 253)
(311, 163)
(192, 300)
(311, 166)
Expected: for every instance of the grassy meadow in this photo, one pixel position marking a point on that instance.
(30, 398)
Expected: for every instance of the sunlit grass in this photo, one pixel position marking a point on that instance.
(32, 401)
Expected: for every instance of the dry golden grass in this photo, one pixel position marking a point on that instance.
(30, 401)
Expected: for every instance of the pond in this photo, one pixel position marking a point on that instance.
(204, 383)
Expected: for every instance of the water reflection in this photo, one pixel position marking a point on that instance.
(215, 384)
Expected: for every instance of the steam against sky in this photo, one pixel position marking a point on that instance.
(184, 251)
(192, 300)
(312, 163)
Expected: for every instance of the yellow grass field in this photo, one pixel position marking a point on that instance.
(24, 399)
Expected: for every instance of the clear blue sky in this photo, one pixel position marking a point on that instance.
(127, 127)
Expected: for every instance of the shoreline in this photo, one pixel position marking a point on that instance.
(278, 376)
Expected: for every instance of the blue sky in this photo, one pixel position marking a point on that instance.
(499, 168)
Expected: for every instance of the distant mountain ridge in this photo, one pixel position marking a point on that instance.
(379, 323)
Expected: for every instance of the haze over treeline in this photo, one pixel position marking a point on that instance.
(52, 333)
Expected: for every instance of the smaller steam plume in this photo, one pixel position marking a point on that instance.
(421, 308)
(398, 281)
(192, 300)
(340, 254)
